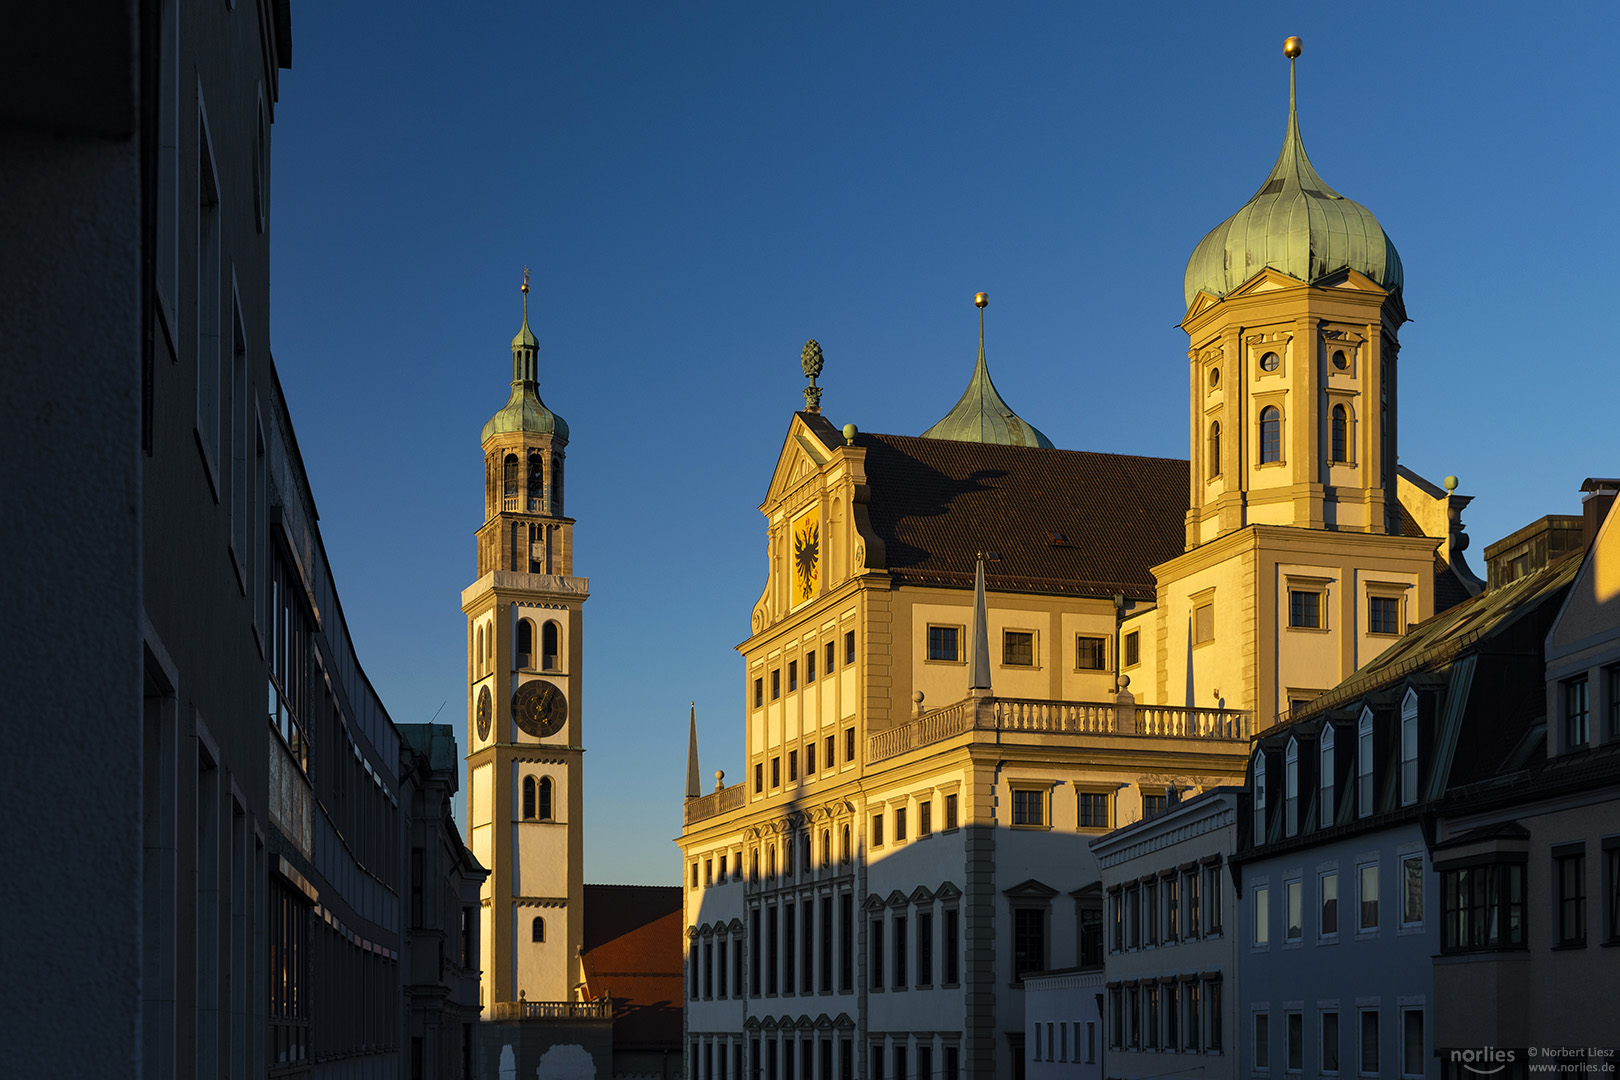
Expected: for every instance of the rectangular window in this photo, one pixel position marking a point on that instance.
(1412, 890)
(1611, 891)
(849, 647)
(925, 948)
(1327, 886)
(876, 1058)
(1090, 653)
(1093, 810)
(1154, 804)
(776, 683)
(925, 818)
(1262, 1041)
(1018, 648)
(1028, 807)
(826, 939)
(1212, 893)
(1482, 908)
(1203, 623)
(809, 759)
(759, 777)
(1212, 992)
(1570, 881)
(1576, 713)
(1411, 1042)
(759, 692)
(1294, 1025)
(1369, 897)
(1194, 1018)
(877, 830)
(1172, 910)
(1150, 911)
(1172, 1016)
(1262, 915)
(846, 952)
(793, 675)
(899, 823)
(1294, 915)
(1133, 648)
(849, 744)
(944, 643)
(950, 812)
(810, 666)
(793, 765)
(1369, 1042)
(772, 948)
(900, 942)
(1383, 615)
(1189, 886)
(948, 946)
(1029, 940)
(900, 1067)
(1612, 676)
(1116, 1016)
(1330, 1042)
(827, 753)
(708, 871)
(1409, 755)
(789, 943)
(1305, 609)
(720, 971)
(1091, 950)
(210, 303)
(1150, 1033)
(876, 961)
(776, 772)
(953, 1062)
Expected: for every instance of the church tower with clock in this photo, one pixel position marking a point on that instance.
(524, 647)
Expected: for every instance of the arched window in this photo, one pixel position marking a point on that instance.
(550, 647)
(1270, 434)
(478, 663)
(537, 482)
(1214, 449)
(528, 798)
(826, 848)
(525, 644)
(545, 798)
(513, 476)
(537, 929)
(770, 861)
(1340, 433)
(1291, 789)
(556, 484)
(1326, 814)
(754, 876)
(806, 851)
(846, 843)
(1259, 798)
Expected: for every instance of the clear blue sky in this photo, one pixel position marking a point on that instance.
(701, 187)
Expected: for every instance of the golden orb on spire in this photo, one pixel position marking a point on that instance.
(525, 279)
(1293, 47)
(981, 299)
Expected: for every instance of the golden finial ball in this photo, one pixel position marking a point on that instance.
(1293, 47)
(981, 299)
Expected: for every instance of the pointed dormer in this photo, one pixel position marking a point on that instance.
(981, 415)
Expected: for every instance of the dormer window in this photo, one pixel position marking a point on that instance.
(1291, 789)
(1577, 713)
(1326, 812)
(1259, 798)
(1364, 764)
(1409, 748)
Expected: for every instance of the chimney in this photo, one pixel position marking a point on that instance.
(1598, 496)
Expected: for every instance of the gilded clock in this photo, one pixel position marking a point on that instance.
(539, 708)
(486, 711)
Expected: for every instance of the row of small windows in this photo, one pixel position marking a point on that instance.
(1367, 1043)
(810, 767)
(549, 657)
(1182, 1015)
(900, 816)
(1271, 438)
(766, 1065)
(1271, 362)
(531, 497)
(1177, 906)
(803, 844)
(1366, 910)
(1019, 648)
(830, 652)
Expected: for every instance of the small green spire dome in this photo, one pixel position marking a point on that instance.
(981, 415)
(1295, 224)
(524, 411)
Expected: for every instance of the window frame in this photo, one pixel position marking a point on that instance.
(1409, 761)
(1575, 711)
(1260, 924)
(1297, 612)
(1293, 904)
(1269, 437)
(1375, 622)
(1099, 645)
(1403, 861)
(1322, 1042)
(1323, 878)
(1362, 926)
(957, 635)
(1569, 908)
(1020, 796)
(1007, 648)
(1132, 650)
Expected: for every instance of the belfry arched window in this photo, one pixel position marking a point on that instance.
(1214, 449)
(537, 482)
(550, 647)
(1270, 434)
(512, 470)
(1340, 425)
(537, 929)
(528, 798)
(545, 798)
(525, 643)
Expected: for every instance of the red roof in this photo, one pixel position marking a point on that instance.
(632, 953)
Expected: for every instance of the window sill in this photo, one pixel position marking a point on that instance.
(1311, 629)
(1568, 946)
(946, 663)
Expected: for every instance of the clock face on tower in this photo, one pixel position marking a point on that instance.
(806, 555)
(539, 708)
(486, 710)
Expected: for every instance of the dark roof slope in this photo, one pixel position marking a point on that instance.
(936, 503)
(632, 952)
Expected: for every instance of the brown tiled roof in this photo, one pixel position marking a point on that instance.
(632, 952)
(936, 503)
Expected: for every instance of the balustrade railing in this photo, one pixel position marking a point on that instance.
(716, 802)
(601, 1009)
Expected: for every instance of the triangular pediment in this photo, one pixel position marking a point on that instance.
(947, 891)
(921, 895)
(1269, 279)
(804, 451)
(897, 899)
(873, 902)
(1031, 889)
(1200, 304)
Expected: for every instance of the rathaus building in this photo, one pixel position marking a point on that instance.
(974, 651)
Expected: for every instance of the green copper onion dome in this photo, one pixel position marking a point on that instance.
(1295, 224)
(981, 415)
(524, 410)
